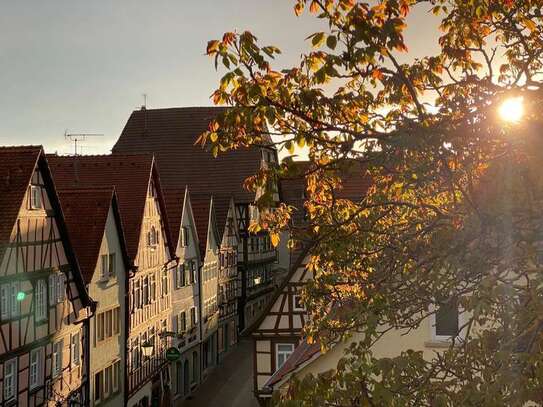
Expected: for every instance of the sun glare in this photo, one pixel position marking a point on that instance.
(512, 109)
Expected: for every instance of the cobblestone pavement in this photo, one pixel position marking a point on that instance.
(230, 384)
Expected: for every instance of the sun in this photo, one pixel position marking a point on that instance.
(512, 109)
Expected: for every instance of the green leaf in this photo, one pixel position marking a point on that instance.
(331, 41)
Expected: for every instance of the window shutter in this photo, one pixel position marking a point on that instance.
(4, 301)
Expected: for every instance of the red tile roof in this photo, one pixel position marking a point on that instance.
(17, 165)
(303, 353)
(129, 174)
(170, 135)
(86, 211)
(355, 184)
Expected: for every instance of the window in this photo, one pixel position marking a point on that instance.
(152, 288)
(164, 283)
(282, 352)
(105, 266)
(108, 379)
(183, 321)
(446, 321)
(152, 237)
(116, 320)
(192, 272)
(40, 300)
(15, 304)
(100, 327)
(137, 294)
(145, 291)
(111, 271)
(57, 358)
(98, 386)
(108, 321)
(36, 368)
(35, 197)
(193, 317)
(180, 276)
(108, 324)
(116, 375)
(297, 303)
(75, 349)
(4, 301)
(10, 379)
(184, 236)
(61, 287)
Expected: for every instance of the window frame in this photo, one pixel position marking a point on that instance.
(40, 300)
(279, 353)
(294, 306)
(446, 338)
(13, 376)
(56, 358)
(37, 366)
(36, 201)
(75, 349)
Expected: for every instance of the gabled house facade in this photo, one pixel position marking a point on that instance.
(141, 203)
(185, 283)
(95, 228)
(44, 307)
(278, 331)
(229, 281)
(208, 242)
(170, 135)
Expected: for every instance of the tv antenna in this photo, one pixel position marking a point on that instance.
(78, 137)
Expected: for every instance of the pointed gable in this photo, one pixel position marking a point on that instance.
(86, 211)
(201, 209)
(130, 175)
(17, 165)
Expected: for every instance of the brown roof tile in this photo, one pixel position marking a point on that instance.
(86, 211)
(170, 134)
(17, 165)
(129, 174)
(302, 353)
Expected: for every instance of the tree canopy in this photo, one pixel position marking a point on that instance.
(455, 208)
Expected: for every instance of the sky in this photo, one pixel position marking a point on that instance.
(83, 66)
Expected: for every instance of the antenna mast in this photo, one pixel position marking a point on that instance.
(77, 137)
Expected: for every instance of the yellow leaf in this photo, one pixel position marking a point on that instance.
(274, 239)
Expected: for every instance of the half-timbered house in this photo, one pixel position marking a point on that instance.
(170, 135)
(277, 333)
(136, 181)
(95, 228)
(44, 307)
(208, 242)
(185, 284)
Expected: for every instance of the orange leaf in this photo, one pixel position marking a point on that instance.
(298, 8)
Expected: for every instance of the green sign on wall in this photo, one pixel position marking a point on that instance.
(173, 354)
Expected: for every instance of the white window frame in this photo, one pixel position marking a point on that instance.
(10, 380)
(294, 307)
(35, 197)
(283, 353)
(15, 305)
(4, 301)
(111, 265)
(75, 349)
(60, 287)
(56, 357)
(104, 267)
(40, 300)
(35, 376)
(447, 338)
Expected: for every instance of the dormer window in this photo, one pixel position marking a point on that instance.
(35, 197)
(152, 237)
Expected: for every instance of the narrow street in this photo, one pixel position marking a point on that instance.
(230, 384)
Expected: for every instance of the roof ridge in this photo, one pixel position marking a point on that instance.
(212, 107)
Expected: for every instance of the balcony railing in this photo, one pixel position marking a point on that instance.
(149, 367)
